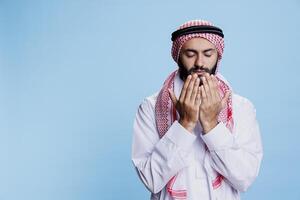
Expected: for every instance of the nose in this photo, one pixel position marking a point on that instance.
(199, 61)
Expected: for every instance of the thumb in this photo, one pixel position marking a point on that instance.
(225, 99)
(173, 97)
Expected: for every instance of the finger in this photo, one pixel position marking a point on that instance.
(198, 97)
(205, 87)
(210, 84)
(203, 94)
(225, 99)
(184, 88)
(190, 87)
(173, 97)
(195, 90)
(215, 91)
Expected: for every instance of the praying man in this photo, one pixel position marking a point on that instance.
(195, 138)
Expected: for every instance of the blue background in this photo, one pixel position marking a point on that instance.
(72, 74)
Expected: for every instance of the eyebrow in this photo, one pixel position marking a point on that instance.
(204, 51)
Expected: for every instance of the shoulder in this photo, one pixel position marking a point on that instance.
(243, 108)
(147, 106)
(241, 102)
(149, 101)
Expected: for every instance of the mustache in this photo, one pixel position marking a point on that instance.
(183, 72)
(195, 69)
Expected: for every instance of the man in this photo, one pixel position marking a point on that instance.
(195, 138)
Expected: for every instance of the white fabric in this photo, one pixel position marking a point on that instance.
(236, 156)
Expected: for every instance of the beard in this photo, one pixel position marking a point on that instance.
(183, 72)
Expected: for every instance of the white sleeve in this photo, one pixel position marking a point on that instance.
(237, 156)
(158, 160)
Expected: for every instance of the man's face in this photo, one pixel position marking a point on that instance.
(197, 55)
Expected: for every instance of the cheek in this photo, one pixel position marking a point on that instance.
(188, 62)
(212, 61)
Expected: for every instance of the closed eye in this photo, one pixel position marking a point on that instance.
(190, 54)
(208, 52)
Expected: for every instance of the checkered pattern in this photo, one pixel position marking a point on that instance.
(217, 40)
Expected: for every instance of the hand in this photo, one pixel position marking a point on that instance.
(211, 102)
(189, 102)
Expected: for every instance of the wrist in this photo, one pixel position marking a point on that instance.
(208, 126)
(189, 126)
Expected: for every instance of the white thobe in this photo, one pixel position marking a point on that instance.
(236, 156)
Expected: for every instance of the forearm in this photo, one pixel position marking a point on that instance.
(239, 166)
(238, 163)
(168, 156)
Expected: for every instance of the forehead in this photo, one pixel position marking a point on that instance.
(198, 44)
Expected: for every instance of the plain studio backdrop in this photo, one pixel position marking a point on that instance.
(72, 74)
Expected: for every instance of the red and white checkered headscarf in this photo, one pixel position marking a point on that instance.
(217, 40)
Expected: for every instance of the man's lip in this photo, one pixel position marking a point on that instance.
(200, 71)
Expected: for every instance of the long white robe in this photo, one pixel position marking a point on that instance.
(236, 156)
